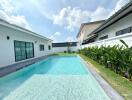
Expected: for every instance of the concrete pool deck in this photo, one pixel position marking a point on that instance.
(112, 93)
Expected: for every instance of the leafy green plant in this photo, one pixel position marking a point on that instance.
(117, 58)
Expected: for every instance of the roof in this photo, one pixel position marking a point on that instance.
(89, 23)
(127, 9)
(7, 24)
(64, 44)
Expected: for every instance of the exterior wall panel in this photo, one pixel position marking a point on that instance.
(121, 24)
(112, 41)
(7, 54)
(62, 49)
(111, 32)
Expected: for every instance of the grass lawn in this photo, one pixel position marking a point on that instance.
(119, 83)
(66, 54)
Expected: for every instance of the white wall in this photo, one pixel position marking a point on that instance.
(121, 24)
(7, 55)
(112, 41)
(111, 32)
(86, 30)
(62, 49)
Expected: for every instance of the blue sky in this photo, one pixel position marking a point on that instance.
(57, 19)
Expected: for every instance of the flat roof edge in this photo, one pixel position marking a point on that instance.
(7, 24)
(123, 9)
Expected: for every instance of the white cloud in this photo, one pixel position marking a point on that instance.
(70, 18)
(70, 39)
(54, 36)
(57, 33)
(100, 14)
(6, 13)
(6, 6)
(119, 5)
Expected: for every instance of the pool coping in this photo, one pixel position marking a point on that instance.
(5, 70)
(109, 90)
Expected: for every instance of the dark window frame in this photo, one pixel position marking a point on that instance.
(49, 47)
(25, 50)
(41, 47)
(124, 31)
(131, 29)
(127, 30)
(103, 37)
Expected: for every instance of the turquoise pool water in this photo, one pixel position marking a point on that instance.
(44, 73)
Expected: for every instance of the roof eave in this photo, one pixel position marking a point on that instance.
(23, 30)
(118, 15)
(83, 24)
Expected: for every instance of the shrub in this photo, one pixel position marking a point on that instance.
(64, 51)
(117, 58)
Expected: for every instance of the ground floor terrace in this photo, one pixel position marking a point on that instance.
(56, 77)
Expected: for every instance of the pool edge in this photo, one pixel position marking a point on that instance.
(6, 70)
(108, 89)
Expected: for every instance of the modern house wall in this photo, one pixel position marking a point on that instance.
(112, 41)
(117, 27)
(7, 50)
(61, 47)
(86, 29)
(124, 23)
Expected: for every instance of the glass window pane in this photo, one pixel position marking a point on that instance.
(104, 37)
(23, 50)
(118, 33)
(41, 47)
(49, 47)
(127, 30)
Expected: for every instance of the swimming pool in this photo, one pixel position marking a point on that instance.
(66, 71)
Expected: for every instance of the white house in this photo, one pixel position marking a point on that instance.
(117, 27)
(64, 47)
(85, 30)
(18, 44)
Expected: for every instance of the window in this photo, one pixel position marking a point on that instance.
(41, 47)
(127, 30)
(124, 31)
(104, 37)
(49, 47)
(23, 50)
(29, 50)
(118, 33)
(131, 29)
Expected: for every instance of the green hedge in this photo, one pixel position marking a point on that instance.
(117, 58)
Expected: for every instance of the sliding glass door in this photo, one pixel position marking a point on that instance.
(29, 50)
(23, 50)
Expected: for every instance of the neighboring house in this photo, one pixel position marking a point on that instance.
(85, 30)
(117, 27)
(18, 44)
(65, 46)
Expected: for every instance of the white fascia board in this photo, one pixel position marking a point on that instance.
(24, 30)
